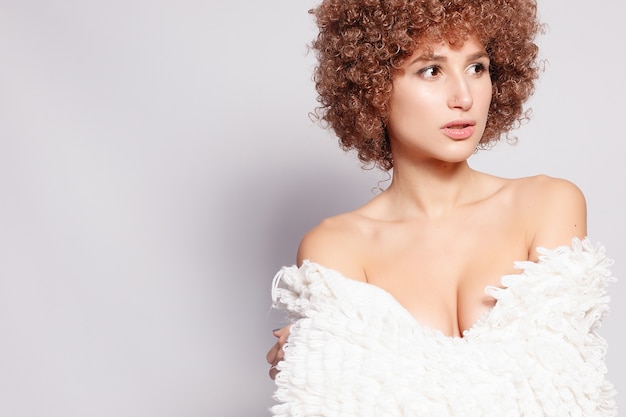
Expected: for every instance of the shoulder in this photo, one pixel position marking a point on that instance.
(337, 243)
(557, 211)
(543, 191)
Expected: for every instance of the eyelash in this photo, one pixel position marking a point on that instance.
(479, 69)
(423, 72)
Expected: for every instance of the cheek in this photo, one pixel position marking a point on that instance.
(409, 115)
(412, 104)
(487, 94)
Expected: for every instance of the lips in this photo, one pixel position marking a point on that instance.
(459, 129)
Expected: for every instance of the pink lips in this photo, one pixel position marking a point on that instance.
(459, 129)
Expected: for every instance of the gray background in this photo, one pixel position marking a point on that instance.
(157, 167)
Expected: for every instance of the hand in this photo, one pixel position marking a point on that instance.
(276, 353)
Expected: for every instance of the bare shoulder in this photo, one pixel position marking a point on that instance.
(336, 243)
(557, 211)
(549, 190)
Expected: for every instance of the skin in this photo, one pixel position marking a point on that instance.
(442, 232)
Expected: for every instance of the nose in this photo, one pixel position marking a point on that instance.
(460, 95)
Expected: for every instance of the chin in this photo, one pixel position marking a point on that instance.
(460, 154)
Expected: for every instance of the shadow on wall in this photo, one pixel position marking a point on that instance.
(306, 200)
(258, 223)
(264, 217)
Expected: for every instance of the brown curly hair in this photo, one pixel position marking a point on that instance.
(362, 43)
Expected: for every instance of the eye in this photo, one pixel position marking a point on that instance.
(430, 73)
(477, 68)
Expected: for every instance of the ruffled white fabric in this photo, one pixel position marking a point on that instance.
(355, 351)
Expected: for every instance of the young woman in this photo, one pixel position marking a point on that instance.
(389, 302)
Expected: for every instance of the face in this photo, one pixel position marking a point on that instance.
(439, 103)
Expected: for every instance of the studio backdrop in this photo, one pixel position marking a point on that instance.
(158, 165)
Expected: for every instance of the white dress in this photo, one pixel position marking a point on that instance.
(354, 351)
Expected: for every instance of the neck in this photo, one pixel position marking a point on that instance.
(432, 189)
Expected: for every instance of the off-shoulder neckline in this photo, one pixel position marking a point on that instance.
(576, 245)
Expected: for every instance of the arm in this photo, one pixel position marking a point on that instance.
(558, 214)
(332, 244)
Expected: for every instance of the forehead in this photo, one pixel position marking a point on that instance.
(468, 46)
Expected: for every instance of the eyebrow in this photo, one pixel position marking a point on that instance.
(442, 58)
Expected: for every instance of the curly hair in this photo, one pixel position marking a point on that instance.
(361, 44)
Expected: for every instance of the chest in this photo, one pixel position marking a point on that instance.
(439, 274)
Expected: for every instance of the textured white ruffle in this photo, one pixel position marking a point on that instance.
(354, 351)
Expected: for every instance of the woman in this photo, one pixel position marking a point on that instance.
(390, 311)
